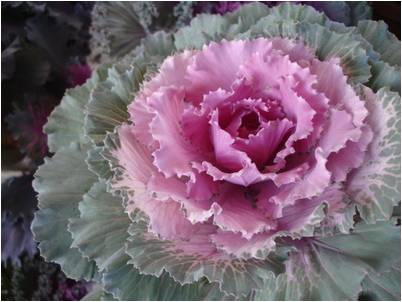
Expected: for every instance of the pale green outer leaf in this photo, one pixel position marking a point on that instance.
(158, 45)
(385, 286)
(125, 80)
(385, 75)
(377, 245)
(244, 17)
(61, 182)
(126, 283)
(97, 163)
(376, 185)
(153, 256)
(382, 73)
(333, 268)
(101, 228)
(307, 14)
(326, 43)
(107, 107)
(299, 13)
(206, 28)
(97, 293)
(152, 51)
(66, 123)
(384, 42)
(203, 29)
(105, 111)
(248, 14)
(316, 274)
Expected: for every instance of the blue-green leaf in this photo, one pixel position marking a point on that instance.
(66, 123)
(333, 268)
(127, 283)
(238, 277)
(101, 229)
(385, 286)
(384, 42)
(61, 183)
(376, 185)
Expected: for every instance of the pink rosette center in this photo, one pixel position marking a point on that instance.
(233, 145)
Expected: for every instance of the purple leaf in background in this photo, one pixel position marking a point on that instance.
(78, 74)
(16, 238)
(18, 203)
(26, 127)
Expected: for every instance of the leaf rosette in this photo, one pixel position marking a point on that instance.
(228, 160)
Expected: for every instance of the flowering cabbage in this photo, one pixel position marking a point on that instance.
(254, 155)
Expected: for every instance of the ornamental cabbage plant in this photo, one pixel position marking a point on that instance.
(254, 155)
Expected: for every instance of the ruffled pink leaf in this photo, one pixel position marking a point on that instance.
(175, 153)
(235, 244)
(240, 215)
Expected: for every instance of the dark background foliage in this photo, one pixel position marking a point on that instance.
(44, 48)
